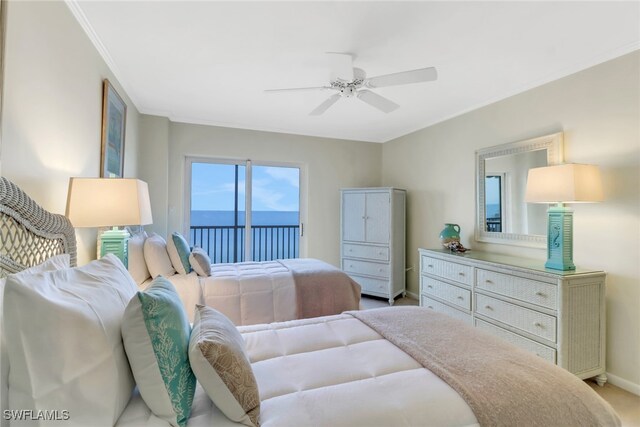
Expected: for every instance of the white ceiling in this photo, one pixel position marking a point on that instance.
(208, 62)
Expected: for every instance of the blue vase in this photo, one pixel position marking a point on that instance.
(450, 233)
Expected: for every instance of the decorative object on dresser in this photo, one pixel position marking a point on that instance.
(568, 183)
(450, 233)
(559, 315)
(109, 202)
(372, 239)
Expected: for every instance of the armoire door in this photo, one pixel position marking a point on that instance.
(377, 218)
(353, 217)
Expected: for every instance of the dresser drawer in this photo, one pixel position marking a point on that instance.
(380, 253)
(547, 353)
(443, 308)
(531, 321)
(365, 267)
(450, 270)
(540, 293)
(370, 285)
(453, 294)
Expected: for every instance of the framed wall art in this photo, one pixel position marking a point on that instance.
(114, 118)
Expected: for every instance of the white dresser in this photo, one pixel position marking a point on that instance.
(559, 315)
(372, 239)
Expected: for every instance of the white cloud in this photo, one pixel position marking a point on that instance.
(290, 175)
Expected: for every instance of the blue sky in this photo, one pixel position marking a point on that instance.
(274, 188)
(492, 191)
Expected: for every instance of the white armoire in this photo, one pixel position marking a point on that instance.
(372, 239)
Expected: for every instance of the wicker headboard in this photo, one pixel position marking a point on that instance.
(29, 234)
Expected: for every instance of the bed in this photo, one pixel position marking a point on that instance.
(385, 367)
(246, 292)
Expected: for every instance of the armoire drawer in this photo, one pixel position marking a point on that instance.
(452, 294)
(444, 308)
(533, 291)
(365, 267)
(379, 253)
(531, 321)
(370, 285)
(547, 353)
(450, 270)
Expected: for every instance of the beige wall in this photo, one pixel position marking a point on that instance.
(52, 111)
(328, 165)
(598, 110)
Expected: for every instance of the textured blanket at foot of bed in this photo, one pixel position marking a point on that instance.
(503, 385)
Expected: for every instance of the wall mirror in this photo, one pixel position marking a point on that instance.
(502, 215)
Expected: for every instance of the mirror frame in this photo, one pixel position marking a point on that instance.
(553, 144)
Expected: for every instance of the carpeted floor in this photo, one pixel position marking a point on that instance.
(626, 404)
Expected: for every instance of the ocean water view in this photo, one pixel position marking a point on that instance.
(274, 235)
(204, 218)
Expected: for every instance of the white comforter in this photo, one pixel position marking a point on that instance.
(247, 293)
(331, 371)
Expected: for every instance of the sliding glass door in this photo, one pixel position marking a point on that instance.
(239, 211)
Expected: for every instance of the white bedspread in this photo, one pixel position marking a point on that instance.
(331, 371)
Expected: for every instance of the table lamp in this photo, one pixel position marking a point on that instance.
(109, 202)
(567, 183)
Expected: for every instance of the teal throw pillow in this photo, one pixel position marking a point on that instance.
(156, 333)
(179, 252)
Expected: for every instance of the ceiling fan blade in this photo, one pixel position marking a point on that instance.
(404, 77)
(341, 65)
(299, 89)
(325, 105)
(380, 102)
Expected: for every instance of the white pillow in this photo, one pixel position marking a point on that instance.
(56, 262)
(65, 345)
(137, 265)
(200, 262)
(157, 257)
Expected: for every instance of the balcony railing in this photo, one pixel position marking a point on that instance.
(226, 243)
(494, 224)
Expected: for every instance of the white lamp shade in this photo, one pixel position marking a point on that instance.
(106, 202)
(568, 183)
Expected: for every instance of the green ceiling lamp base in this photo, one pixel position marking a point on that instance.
(560, 238)
(115, 241)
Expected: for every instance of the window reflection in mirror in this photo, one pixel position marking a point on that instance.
(494, 197)
(505, 184)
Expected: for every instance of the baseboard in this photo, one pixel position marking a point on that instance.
(623, 384)
(412, 295)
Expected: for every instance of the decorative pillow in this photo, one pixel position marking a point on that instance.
(156, 333)
(137, 265)
(217, 356)
(65, 346)
(56, 262)
(200, 262)
(156, 257)
(179, 251)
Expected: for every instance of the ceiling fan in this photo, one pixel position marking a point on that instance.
(349, 82)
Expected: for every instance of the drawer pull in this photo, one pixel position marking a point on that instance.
(541, 294)
(380, 253)
(350, 265)
(538, 325)
(460, 297)
(429, 286)
(350, 249)
(430, 265)
(488, 307)
(380, 270)
(488, 281)
(430, 306)
(461, 274)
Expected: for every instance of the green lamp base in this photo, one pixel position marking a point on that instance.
(115, 242)
(560, 238)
